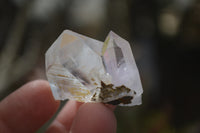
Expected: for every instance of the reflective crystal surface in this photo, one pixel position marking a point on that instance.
(83, 69)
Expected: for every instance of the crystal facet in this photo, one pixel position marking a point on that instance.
(84, 69)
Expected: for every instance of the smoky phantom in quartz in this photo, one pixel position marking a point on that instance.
(87, 70)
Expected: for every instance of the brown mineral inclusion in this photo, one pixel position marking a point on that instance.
(108, 91)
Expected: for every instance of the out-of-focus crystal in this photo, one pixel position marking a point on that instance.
(83, 69)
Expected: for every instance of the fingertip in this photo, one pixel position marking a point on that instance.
(41, 92)
(110, 106)
(34, 104)
(94, 117)
(38, 86)
(56, 127)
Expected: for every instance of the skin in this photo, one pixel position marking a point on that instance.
(29, 107)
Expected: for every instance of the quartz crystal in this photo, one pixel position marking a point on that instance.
(86, 70)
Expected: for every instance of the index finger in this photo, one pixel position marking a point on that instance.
(28, 108)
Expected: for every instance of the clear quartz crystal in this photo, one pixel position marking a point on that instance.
(83, 69)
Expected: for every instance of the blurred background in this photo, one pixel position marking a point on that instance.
(165, 39)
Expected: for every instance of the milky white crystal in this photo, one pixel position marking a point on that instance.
(84, 69)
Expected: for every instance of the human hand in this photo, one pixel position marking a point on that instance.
(29, 107)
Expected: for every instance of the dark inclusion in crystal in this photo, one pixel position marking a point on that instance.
(124, 100)
(108, 91)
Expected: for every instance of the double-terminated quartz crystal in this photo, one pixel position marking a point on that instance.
(83, 69)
